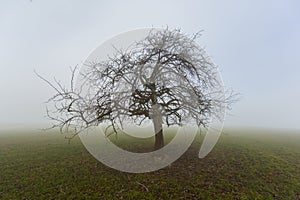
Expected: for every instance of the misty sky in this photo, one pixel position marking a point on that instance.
(255, 43)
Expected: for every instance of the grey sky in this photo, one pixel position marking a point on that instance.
(255, 43)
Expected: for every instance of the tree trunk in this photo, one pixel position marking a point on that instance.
(159, 138)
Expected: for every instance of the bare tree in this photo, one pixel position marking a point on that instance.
(166, 78)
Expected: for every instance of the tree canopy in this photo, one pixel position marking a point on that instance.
(166, 78)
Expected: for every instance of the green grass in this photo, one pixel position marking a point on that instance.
(243, 165)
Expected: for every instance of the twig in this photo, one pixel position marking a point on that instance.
(143, 186)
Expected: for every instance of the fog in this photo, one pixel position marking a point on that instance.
(255, 44)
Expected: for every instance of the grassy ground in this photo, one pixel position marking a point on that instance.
(243, 165)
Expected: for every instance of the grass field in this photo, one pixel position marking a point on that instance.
(245, 164)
